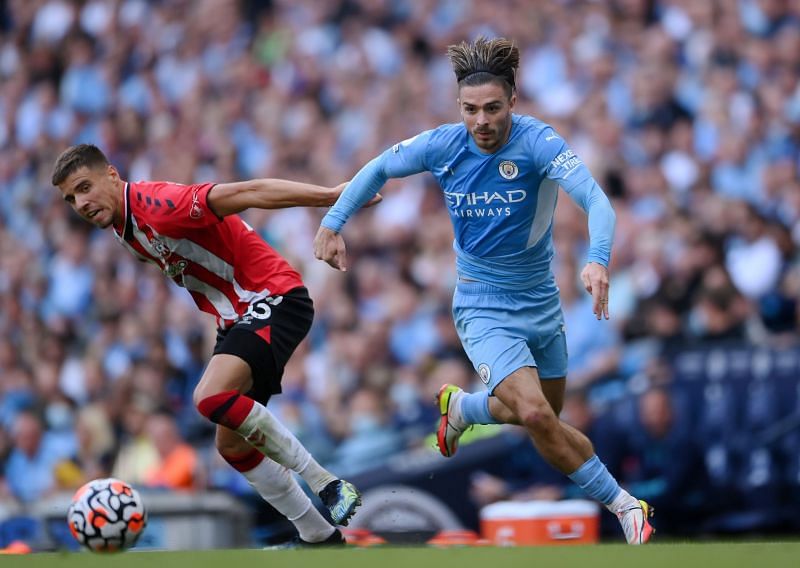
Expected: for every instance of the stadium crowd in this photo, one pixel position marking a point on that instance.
(687, 113)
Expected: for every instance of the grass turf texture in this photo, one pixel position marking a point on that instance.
(672, 555)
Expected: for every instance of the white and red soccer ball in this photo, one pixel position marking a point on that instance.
(106, 515)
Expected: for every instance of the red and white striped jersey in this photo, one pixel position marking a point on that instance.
(223, 263)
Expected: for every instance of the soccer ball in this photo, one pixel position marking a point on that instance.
(106, 515)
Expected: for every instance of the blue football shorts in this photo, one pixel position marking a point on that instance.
(504, 330)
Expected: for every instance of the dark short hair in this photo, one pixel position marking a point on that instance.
(75, 158)
(485, 61)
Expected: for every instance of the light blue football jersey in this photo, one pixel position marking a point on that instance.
(501, 204)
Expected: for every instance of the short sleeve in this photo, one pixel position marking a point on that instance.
(173, 208)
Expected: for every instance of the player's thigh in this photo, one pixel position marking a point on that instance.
(266, 337)
(553, 390)
(548, 344)
(522, 393)
(224, 372)
(230, 443)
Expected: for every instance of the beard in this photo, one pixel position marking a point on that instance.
(485, 138)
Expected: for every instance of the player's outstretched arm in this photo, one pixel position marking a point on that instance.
(601, 236)
(401, 160)
(269, 193)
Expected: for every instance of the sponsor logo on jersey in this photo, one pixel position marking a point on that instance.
(567, 161)
(171, 269)
(484, 373)
(160, 247)
(176, 268)
(480, 198)
(484, 203)
(508, 169)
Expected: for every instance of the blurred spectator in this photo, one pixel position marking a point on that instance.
(18, 395)
(687, 112)
(31, 462)
(370, 438)
(95, 452)
(70, 278)
(5, 450)
(592, 344)
(177, 467)
(649, 465)
(753, 258)
(137, 453)
(719, 311)
(413, 333)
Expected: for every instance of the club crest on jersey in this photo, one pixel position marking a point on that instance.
(484, 373)
(508, 169)
(196, 211)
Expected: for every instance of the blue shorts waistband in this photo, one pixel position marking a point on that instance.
(475, 287)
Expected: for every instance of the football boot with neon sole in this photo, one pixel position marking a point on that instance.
(635, 523)
(448, 433)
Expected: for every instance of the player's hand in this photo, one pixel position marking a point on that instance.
(337, 191)
(595, 280)
(377, 198)
(329, 246)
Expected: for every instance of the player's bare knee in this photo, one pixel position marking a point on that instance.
(203, 390)
(538, 417)
(200, 392)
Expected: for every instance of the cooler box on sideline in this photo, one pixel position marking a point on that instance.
(514, 523)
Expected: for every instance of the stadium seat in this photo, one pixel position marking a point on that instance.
(759, 404)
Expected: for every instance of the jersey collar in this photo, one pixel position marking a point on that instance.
(126, 231)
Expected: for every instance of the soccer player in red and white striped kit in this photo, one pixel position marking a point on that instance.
(263, 311)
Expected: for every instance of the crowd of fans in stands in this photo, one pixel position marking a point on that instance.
(687, 113)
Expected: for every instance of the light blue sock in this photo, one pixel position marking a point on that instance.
(594, 479)
(475, 408)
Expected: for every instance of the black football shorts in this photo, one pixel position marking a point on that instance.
(266, 337)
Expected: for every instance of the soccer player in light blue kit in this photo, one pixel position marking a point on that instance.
(500, 173)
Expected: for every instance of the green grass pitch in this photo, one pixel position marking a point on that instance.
(671, 555)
